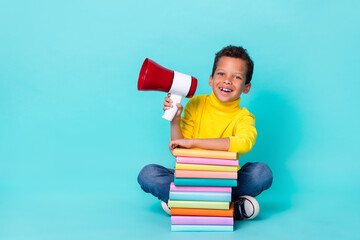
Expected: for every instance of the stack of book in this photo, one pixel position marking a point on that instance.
(200, 197)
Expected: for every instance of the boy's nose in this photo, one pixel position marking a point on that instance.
(227, 81)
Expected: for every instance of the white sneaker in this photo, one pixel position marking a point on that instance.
(246, 208)
(165, 207)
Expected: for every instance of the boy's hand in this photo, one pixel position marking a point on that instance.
(168, 104)
(182, 142)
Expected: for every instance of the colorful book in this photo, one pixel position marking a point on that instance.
(201, 196)
(184, 152)
(201, 220)
(202, 212)
(199, 189)
(205, 182)
(205, 174)
(202, 228)
(198, 204)
(208, 161)
(204, 167)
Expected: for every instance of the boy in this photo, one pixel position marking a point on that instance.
(217, 122)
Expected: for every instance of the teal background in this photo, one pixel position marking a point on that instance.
(75, 132)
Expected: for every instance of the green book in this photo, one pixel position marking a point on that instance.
(212, 182)
(198, 204)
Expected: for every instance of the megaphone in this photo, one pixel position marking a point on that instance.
(154, 77)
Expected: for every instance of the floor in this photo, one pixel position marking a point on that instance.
(96, 211)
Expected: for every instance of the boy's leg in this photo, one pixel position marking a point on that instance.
(253, 178)
(156, 179)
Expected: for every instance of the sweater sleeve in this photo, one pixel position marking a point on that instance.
(245, 134)
(187, 123)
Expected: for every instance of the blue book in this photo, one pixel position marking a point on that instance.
(202, 228)
(205, 182)
(200, 196)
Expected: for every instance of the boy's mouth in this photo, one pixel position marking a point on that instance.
(225, 90)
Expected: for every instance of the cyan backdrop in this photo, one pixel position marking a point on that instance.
(75, 132)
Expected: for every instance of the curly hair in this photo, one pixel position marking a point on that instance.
(235, 52)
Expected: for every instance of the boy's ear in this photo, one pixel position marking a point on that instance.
(247, 88)
(210, 81)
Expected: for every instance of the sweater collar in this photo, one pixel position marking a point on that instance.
(226, 106)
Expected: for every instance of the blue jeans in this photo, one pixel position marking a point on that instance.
(253, 178)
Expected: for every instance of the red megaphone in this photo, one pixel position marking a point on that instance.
(154, 77)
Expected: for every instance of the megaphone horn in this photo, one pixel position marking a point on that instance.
(154, 77)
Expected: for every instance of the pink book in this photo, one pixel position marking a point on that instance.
(198, 189)
(205, 174)
(201, 220)
(208, 161)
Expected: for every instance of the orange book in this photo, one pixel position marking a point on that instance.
(202, 212)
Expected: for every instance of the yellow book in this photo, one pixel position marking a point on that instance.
(184, 152)
(203, 167)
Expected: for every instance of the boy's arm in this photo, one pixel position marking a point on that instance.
(175, 129)
(245, 135)
(242, 142)
(222, 144)
(178, 140)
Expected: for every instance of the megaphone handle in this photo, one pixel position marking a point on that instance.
(170, 113)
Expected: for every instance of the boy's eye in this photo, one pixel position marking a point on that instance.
(237, 77)
(220, 73)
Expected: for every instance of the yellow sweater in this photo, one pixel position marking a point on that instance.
(206, 117)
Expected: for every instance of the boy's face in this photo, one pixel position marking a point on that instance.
(229, 79)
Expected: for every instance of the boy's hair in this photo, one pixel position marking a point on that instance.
(235, 52)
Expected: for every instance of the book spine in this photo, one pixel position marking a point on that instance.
(205, 174)
(198, 204)
(202, 212)
(205, 182)
(202, 228)
(199, 189)
(181, 152)
(200, 196)
(209, 161)
(203, 167)
(201, 220)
